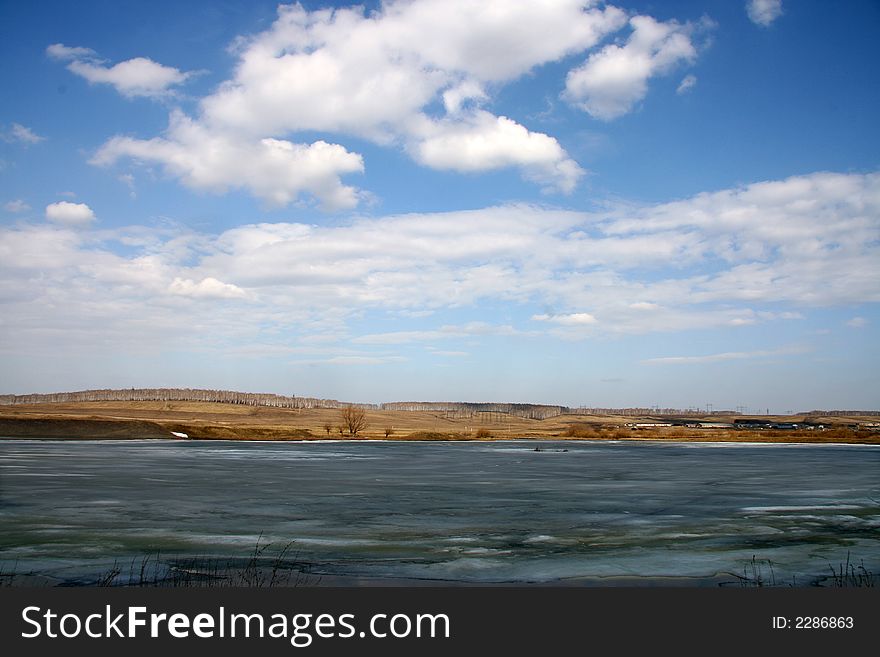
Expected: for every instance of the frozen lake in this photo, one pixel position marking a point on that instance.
(475, 512)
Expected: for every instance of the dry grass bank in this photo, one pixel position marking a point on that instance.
(204, 420)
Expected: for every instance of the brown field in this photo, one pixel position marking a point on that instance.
(204, 420)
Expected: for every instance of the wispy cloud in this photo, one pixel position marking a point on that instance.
(21, 134)
(444, 332)
(736, 258)
(449, 354)
(361, 360)
(729, 355)
(687, 83)
(16, 206)
(764, 12)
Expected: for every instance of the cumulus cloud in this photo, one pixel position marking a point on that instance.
(613, 80)
(207, 288)
(70, 214)
(347, 71)
(766, 252)
(21, 134)
(140, 76)
(764, 12)
(483, 142)
(274, 170)
(378, 75)
(857, 322)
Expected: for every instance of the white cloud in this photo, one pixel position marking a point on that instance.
(483, 142)
(62, 52)
(456, 97)
(687, 83)
(140, 76)
(446, 332)
(764, 12)
(345, 71)
(360, 360)
(733, 258)
(127, 179)
(70, 214)
(730, 355)
(16, 206)
(274, 170)
(496, 40)
(207, 288)
(572, 319)
(613, 80)
(857, 322)
(377, 75)
(404, 337)
(21, 134)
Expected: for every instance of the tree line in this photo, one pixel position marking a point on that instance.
(453, 410)
(179, 395)
(462, 410)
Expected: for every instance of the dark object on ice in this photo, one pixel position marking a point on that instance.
(544, 449)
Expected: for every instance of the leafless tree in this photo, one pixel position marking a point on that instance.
(354, 418)
(389, 431)
(328, 427)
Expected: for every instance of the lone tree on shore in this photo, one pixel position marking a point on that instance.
(328, 428)
(354, 419)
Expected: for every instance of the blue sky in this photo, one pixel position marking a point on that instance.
(601, 204)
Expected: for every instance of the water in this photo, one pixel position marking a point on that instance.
(474, 512)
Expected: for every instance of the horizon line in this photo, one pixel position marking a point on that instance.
(299, 401)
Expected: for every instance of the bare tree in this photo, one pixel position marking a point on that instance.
(328, 427)
(354, 419)
(389, 431)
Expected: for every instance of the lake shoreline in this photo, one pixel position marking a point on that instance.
(529, 439)
(216, 422)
